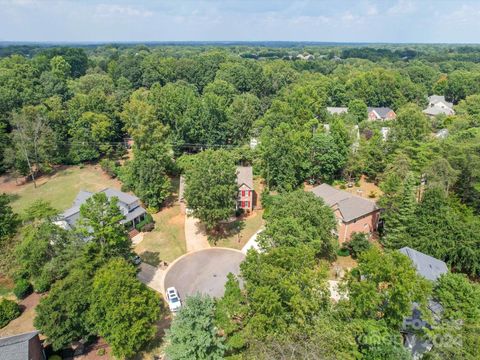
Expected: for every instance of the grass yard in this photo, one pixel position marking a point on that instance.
(247, 226)
(60, 188)
(167, 241)
(6, 287)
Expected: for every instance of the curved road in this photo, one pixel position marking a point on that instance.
(203, 271)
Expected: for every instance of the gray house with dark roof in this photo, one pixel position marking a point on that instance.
(354, 213)
(22, 347)
(129, 205)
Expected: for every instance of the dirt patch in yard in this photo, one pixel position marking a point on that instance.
(340, 266)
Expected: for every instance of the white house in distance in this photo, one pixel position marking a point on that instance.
(438, 105)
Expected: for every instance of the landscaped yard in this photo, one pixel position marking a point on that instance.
(167, 241)
(60, 188)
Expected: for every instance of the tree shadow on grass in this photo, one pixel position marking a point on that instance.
(226, 230)
(151, 257)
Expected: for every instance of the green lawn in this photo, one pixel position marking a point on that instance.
(247, 226)
(61, 188)
(167, 241)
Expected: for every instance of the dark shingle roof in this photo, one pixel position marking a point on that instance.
(16, 347)
(350, 206)
(426, 265)
(381, 111)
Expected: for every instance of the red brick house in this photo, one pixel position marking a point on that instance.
(353, 213)
(246, 192)
(381, 113)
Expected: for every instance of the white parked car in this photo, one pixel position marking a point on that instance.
(173, 299)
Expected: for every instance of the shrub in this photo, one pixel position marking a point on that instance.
(146, 224)
(22, 289)
(343, 186)
(372, 194)
(343, 252)
(55, 357)
(42, 283)
(358, 244)
(9, 310)
(110, 167)
(101, 352)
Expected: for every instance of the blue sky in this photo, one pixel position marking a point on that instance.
(454, 21)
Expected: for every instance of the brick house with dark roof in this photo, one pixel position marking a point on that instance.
(381, 113)
(246, 191)
(353, 213)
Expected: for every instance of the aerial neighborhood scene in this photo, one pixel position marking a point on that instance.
(271, 180)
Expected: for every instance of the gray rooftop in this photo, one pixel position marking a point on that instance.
(426, 265)
(245, 176)
(350, 206)
(16, 347)
(133, 214)
(123, 197)
(381, 111)
(337, 110)
(436, 110)
(434, 99)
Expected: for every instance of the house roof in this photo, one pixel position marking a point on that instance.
(337, 110)
(381, 111)
(350, 206)
(245, 176)
(82, 196)
(436, 110)
(16, 347)
(133, 214)
(426, 265)
(70, 215)
(123, 197)
(434, 99)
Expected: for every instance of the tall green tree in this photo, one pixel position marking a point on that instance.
(384, 286)
(211, 186)
(99, 223)
(8, 219)
(410, 125)
(147, 176)
(193, 334)
(299, 218)
(123, 310)
(62, 315)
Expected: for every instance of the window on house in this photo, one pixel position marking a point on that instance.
(243, 193)
(247, 204)
(243, 204)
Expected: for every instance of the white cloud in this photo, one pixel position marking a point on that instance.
(115, 10)
(372, 10)
(402, 7)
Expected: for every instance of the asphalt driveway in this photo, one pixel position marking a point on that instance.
(204, 271)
